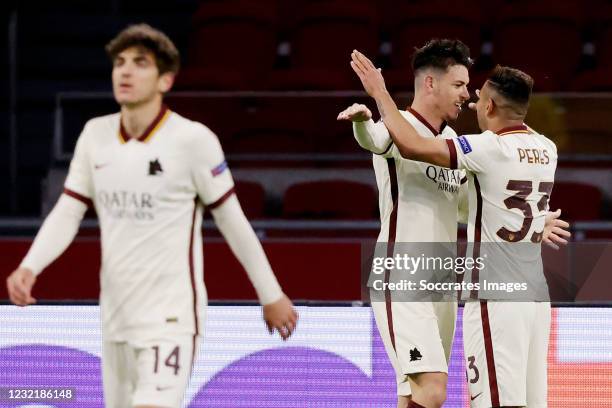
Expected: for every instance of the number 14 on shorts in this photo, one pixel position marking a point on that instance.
(171, 360)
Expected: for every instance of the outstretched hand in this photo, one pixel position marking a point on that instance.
(357, 112)
(370, 76)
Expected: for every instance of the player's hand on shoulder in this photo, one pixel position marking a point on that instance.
(555, 230)
(357, 112)
(280, 315)
(19, 285)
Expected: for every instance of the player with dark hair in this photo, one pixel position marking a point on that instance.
(149, 173)
(506, 343)
(416, 207)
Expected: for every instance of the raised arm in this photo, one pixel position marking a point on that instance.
(409, 143)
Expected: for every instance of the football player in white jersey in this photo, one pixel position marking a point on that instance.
(149, 173)
(511, 174)
(419, 203)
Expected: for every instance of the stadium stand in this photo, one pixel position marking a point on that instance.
(553, 56)
(330, 199)
(579, 202)
(245, 56)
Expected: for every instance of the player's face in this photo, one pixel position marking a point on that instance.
(136, 78)
(451, 91)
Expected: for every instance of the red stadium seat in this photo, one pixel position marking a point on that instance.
(604, 44)
(252, 198)
(218, 114)
(270, 125)
(322, 37)
(270, 140)
(588, 132)
(413, 24)
(597, 80)
(577, 201)
(541, 38)
(330, 199)
(410, 24)
(232, 46)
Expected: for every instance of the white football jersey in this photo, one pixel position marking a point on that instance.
(511, 174)
(149, 194)
(418, 201)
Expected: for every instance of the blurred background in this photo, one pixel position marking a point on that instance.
(269, 78)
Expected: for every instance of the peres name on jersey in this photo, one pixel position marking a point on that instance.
(535, 156)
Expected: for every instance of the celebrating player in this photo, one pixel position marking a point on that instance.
(505, 342)
(418, 205)
(149, 173)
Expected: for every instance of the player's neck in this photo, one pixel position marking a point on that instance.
(427, 112)
(497, 125)
(136, 119)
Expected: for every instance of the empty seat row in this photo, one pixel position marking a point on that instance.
(239, 44)
(308, 126)
(348, 200)
(321, 34)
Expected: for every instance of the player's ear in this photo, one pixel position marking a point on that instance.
(491, 107)
(429, 82)
(165, 82)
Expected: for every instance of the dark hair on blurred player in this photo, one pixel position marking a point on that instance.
(166, 55)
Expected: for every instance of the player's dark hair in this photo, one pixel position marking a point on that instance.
(441, 54)
(513, 84)
(167, 57)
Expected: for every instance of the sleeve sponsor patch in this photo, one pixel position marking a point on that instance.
(219, 169)
(464, 144)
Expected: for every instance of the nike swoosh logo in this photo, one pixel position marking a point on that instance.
(99, 166)
(475, 396)
(158, 388)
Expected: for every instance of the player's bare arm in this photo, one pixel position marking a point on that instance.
(409, 143)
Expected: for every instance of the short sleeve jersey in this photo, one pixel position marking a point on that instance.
(418, 201)
(510, 176)
(149, 194)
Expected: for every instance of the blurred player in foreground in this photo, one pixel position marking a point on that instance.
(149, 173)
(506, 343)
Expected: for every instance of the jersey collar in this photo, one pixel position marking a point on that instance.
(159, 120)
(426, 123)
(511, 130)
